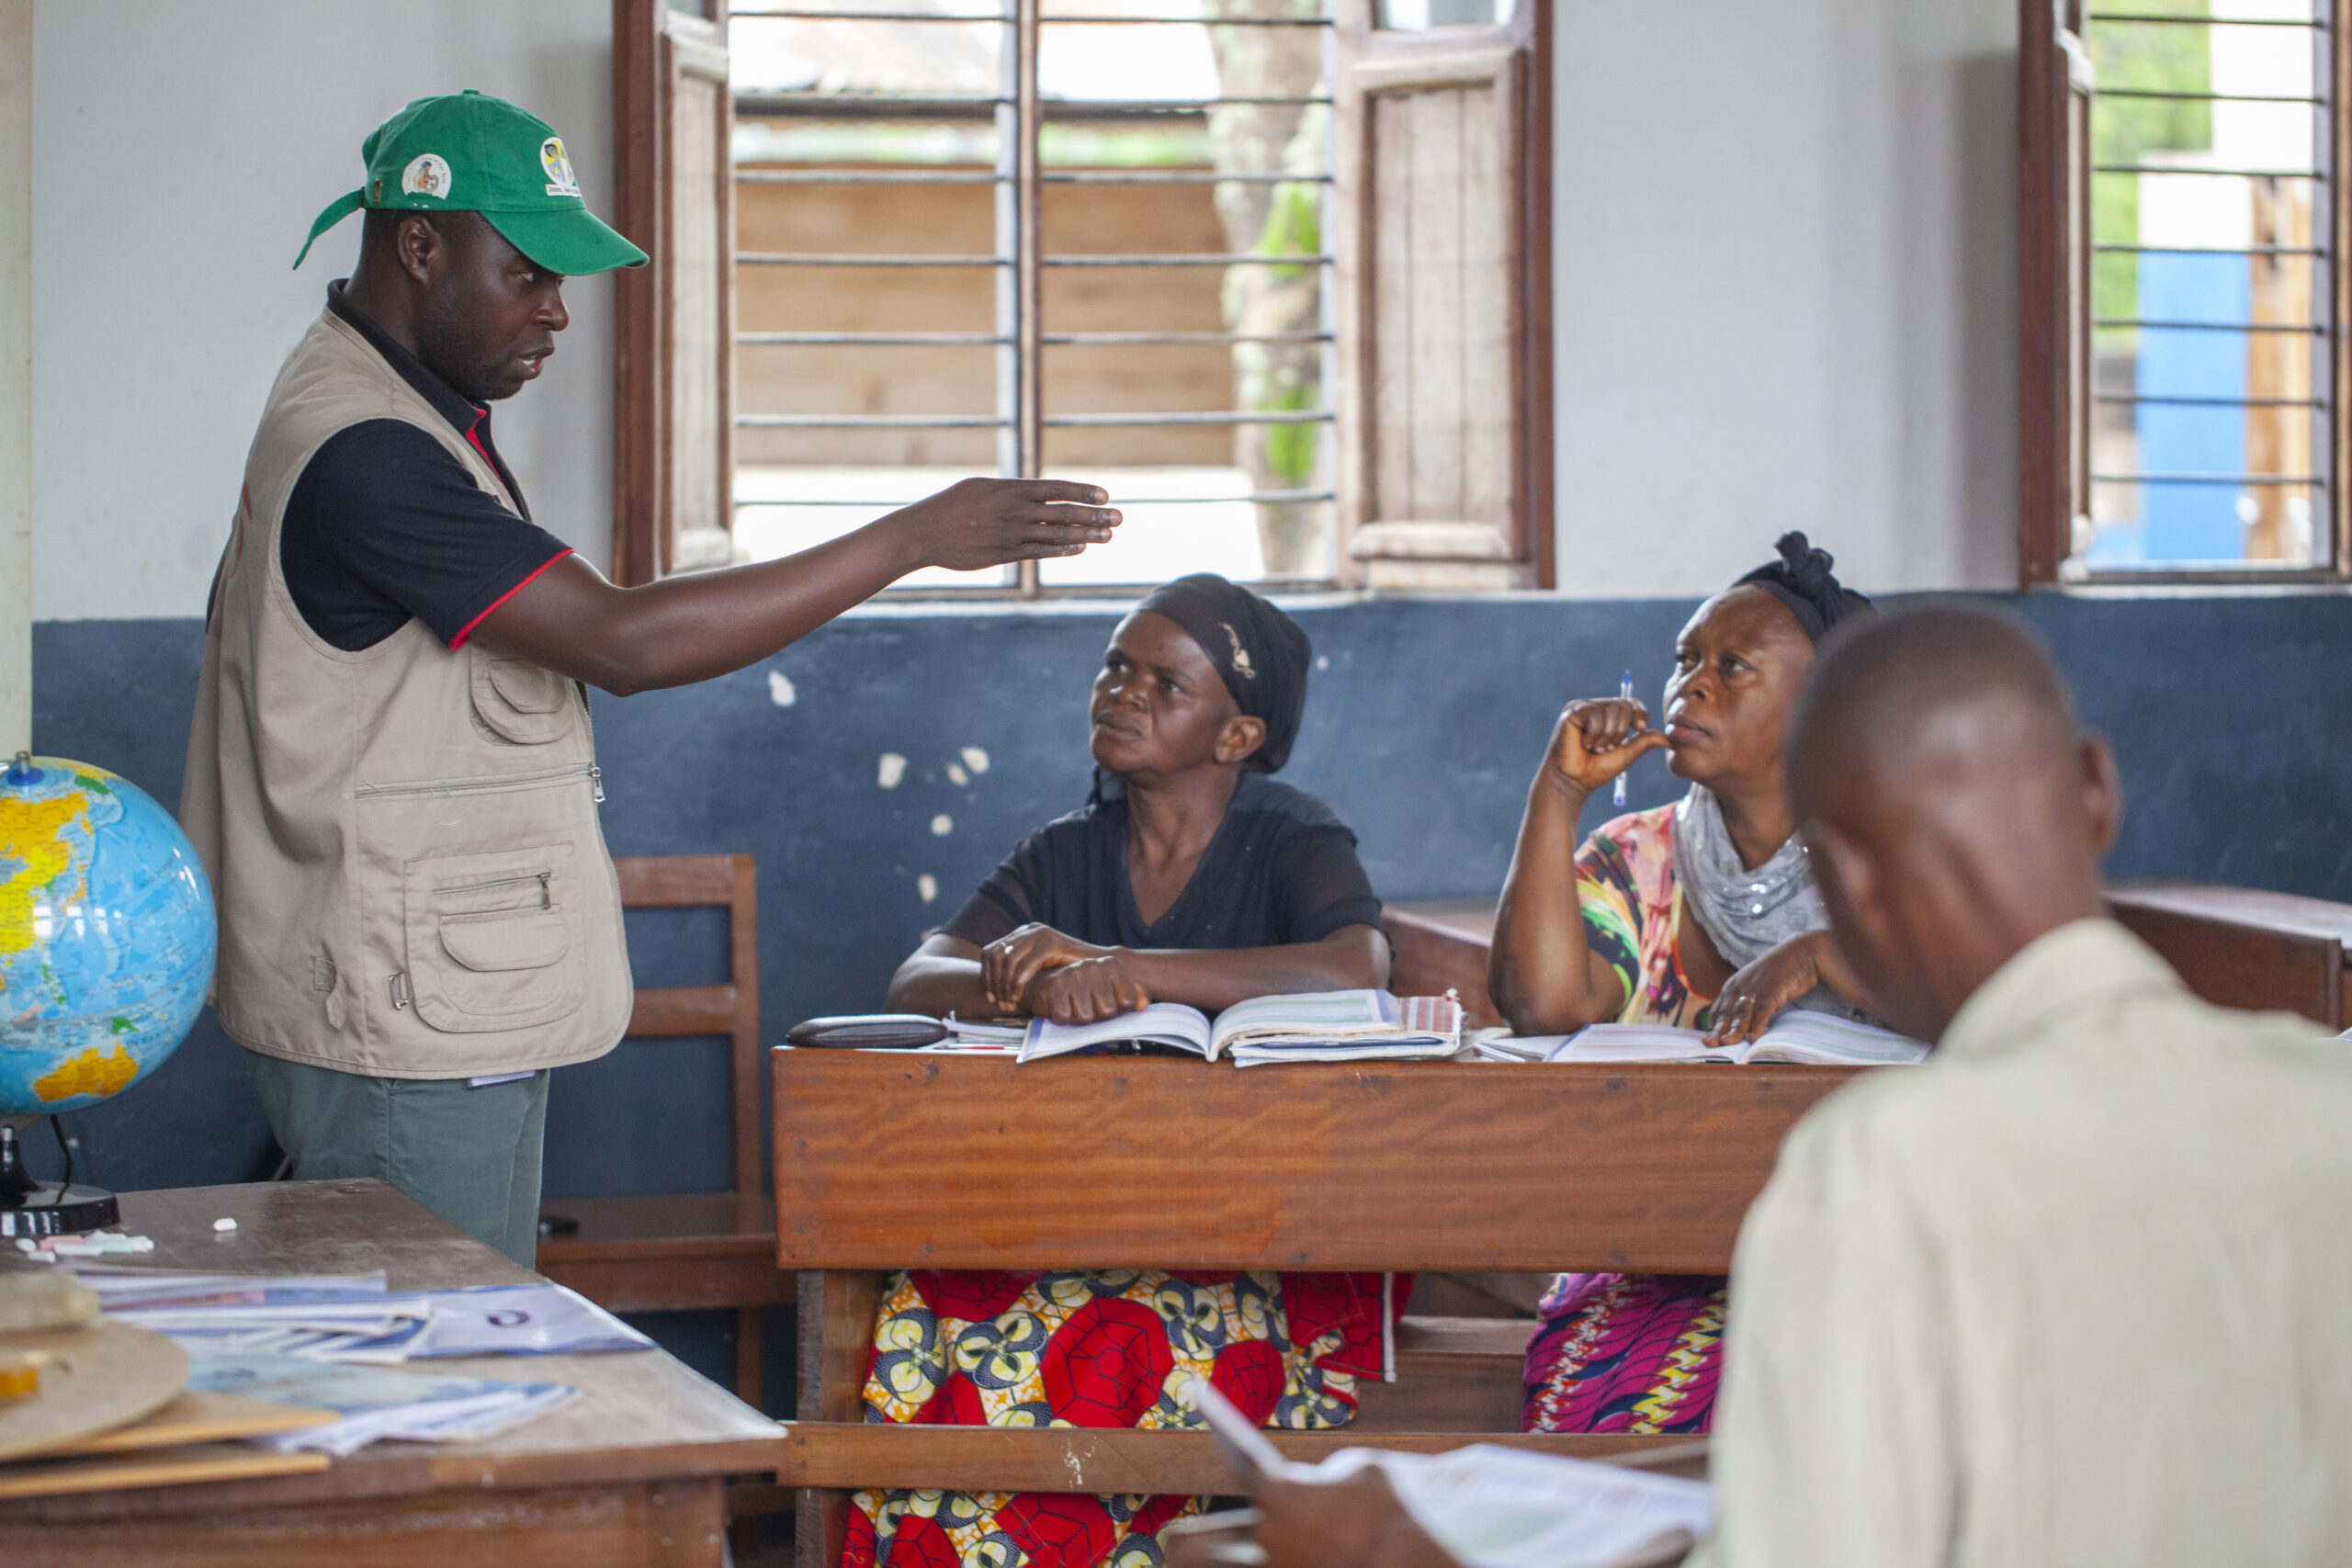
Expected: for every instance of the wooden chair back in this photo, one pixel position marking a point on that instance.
(732, 1008)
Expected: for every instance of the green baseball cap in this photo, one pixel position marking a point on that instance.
(470, 152)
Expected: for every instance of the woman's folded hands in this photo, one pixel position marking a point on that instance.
(1038, 970)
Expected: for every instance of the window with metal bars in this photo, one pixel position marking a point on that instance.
(1082, 239)
(1275, 273)
(2182, 310)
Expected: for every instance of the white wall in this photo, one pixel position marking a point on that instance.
(1785, 263)
(16, 375)
(180, 150)
(1785, 240)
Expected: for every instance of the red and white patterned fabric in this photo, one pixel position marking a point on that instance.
(1106, 1349)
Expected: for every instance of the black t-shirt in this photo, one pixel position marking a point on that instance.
(1281, 870)
(385, 525)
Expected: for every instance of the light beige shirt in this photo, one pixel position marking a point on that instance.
(2077, 1291)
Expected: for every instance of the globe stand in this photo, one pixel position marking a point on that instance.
(44, 1208)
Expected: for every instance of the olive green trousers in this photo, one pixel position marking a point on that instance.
(472, 1156)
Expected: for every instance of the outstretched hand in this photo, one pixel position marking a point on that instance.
(1597, 738)
(976, 524)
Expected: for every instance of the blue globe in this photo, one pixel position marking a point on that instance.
(106, 935)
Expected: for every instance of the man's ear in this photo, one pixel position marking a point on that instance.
(1242, 735)
(2102, 791)
(419, 246)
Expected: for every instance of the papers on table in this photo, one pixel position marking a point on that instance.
(328, 1340)
(374, 1403)
(353, 1317)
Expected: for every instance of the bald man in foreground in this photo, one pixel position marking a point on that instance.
(2079, 1290)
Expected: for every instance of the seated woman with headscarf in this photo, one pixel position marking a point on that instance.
(1700, 914)
(1191, 877)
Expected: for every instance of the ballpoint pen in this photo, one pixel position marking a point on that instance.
(1625, 690)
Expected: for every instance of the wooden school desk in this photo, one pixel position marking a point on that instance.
(2237, 947)
(888, 1160)
(629, 1474)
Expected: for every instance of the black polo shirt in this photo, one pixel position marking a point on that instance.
(384, 524)
(1281, 870)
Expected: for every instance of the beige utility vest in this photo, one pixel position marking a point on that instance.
(403, 841)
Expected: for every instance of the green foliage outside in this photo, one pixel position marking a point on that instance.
(2158, 56)
(1291, 448)
(1293, 227)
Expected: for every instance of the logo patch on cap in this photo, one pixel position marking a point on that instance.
(561, 180)
(426, 175)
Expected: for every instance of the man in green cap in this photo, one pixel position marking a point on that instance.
(390, 775)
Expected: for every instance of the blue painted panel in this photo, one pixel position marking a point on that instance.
(2233, 729)
(2192, 522)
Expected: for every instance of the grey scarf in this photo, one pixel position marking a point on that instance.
(1746, 912)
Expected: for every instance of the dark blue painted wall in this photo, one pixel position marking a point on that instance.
(2232, 717)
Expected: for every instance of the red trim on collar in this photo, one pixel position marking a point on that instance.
(467, 629)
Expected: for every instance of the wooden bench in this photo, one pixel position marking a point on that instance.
(2236, 947)
(888, 1161)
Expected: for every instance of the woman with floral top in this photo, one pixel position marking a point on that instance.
(1702, 915)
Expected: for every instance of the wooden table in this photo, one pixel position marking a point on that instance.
(887, 1160)
(630, 1473)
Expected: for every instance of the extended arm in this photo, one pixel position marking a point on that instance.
(1542, 973)
(942, 977)
(682, 629)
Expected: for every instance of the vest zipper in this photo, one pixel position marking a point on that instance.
(546, 899)
(400, 990)
(488, 783)
(588, 717)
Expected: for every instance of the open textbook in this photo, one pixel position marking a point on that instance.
(1309, 1026)
(1491, 1506)
(1817, 1039)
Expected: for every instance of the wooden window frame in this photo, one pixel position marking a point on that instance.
(2054, 344)
(1378, 59)
(652, 41)
(645, 529)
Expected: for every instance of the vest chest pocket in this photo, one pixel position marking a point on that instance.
(494, 940)
(519, 701)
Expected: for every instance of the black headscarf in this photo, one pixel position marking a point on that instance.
(1263, 654)
(1802, 580)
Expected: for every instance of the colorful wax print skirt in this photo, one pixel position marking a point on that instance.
(1106, 1349)
(1640, 1353)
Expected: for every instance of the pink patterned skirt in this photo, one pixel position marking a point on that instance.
(1639, 1353)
